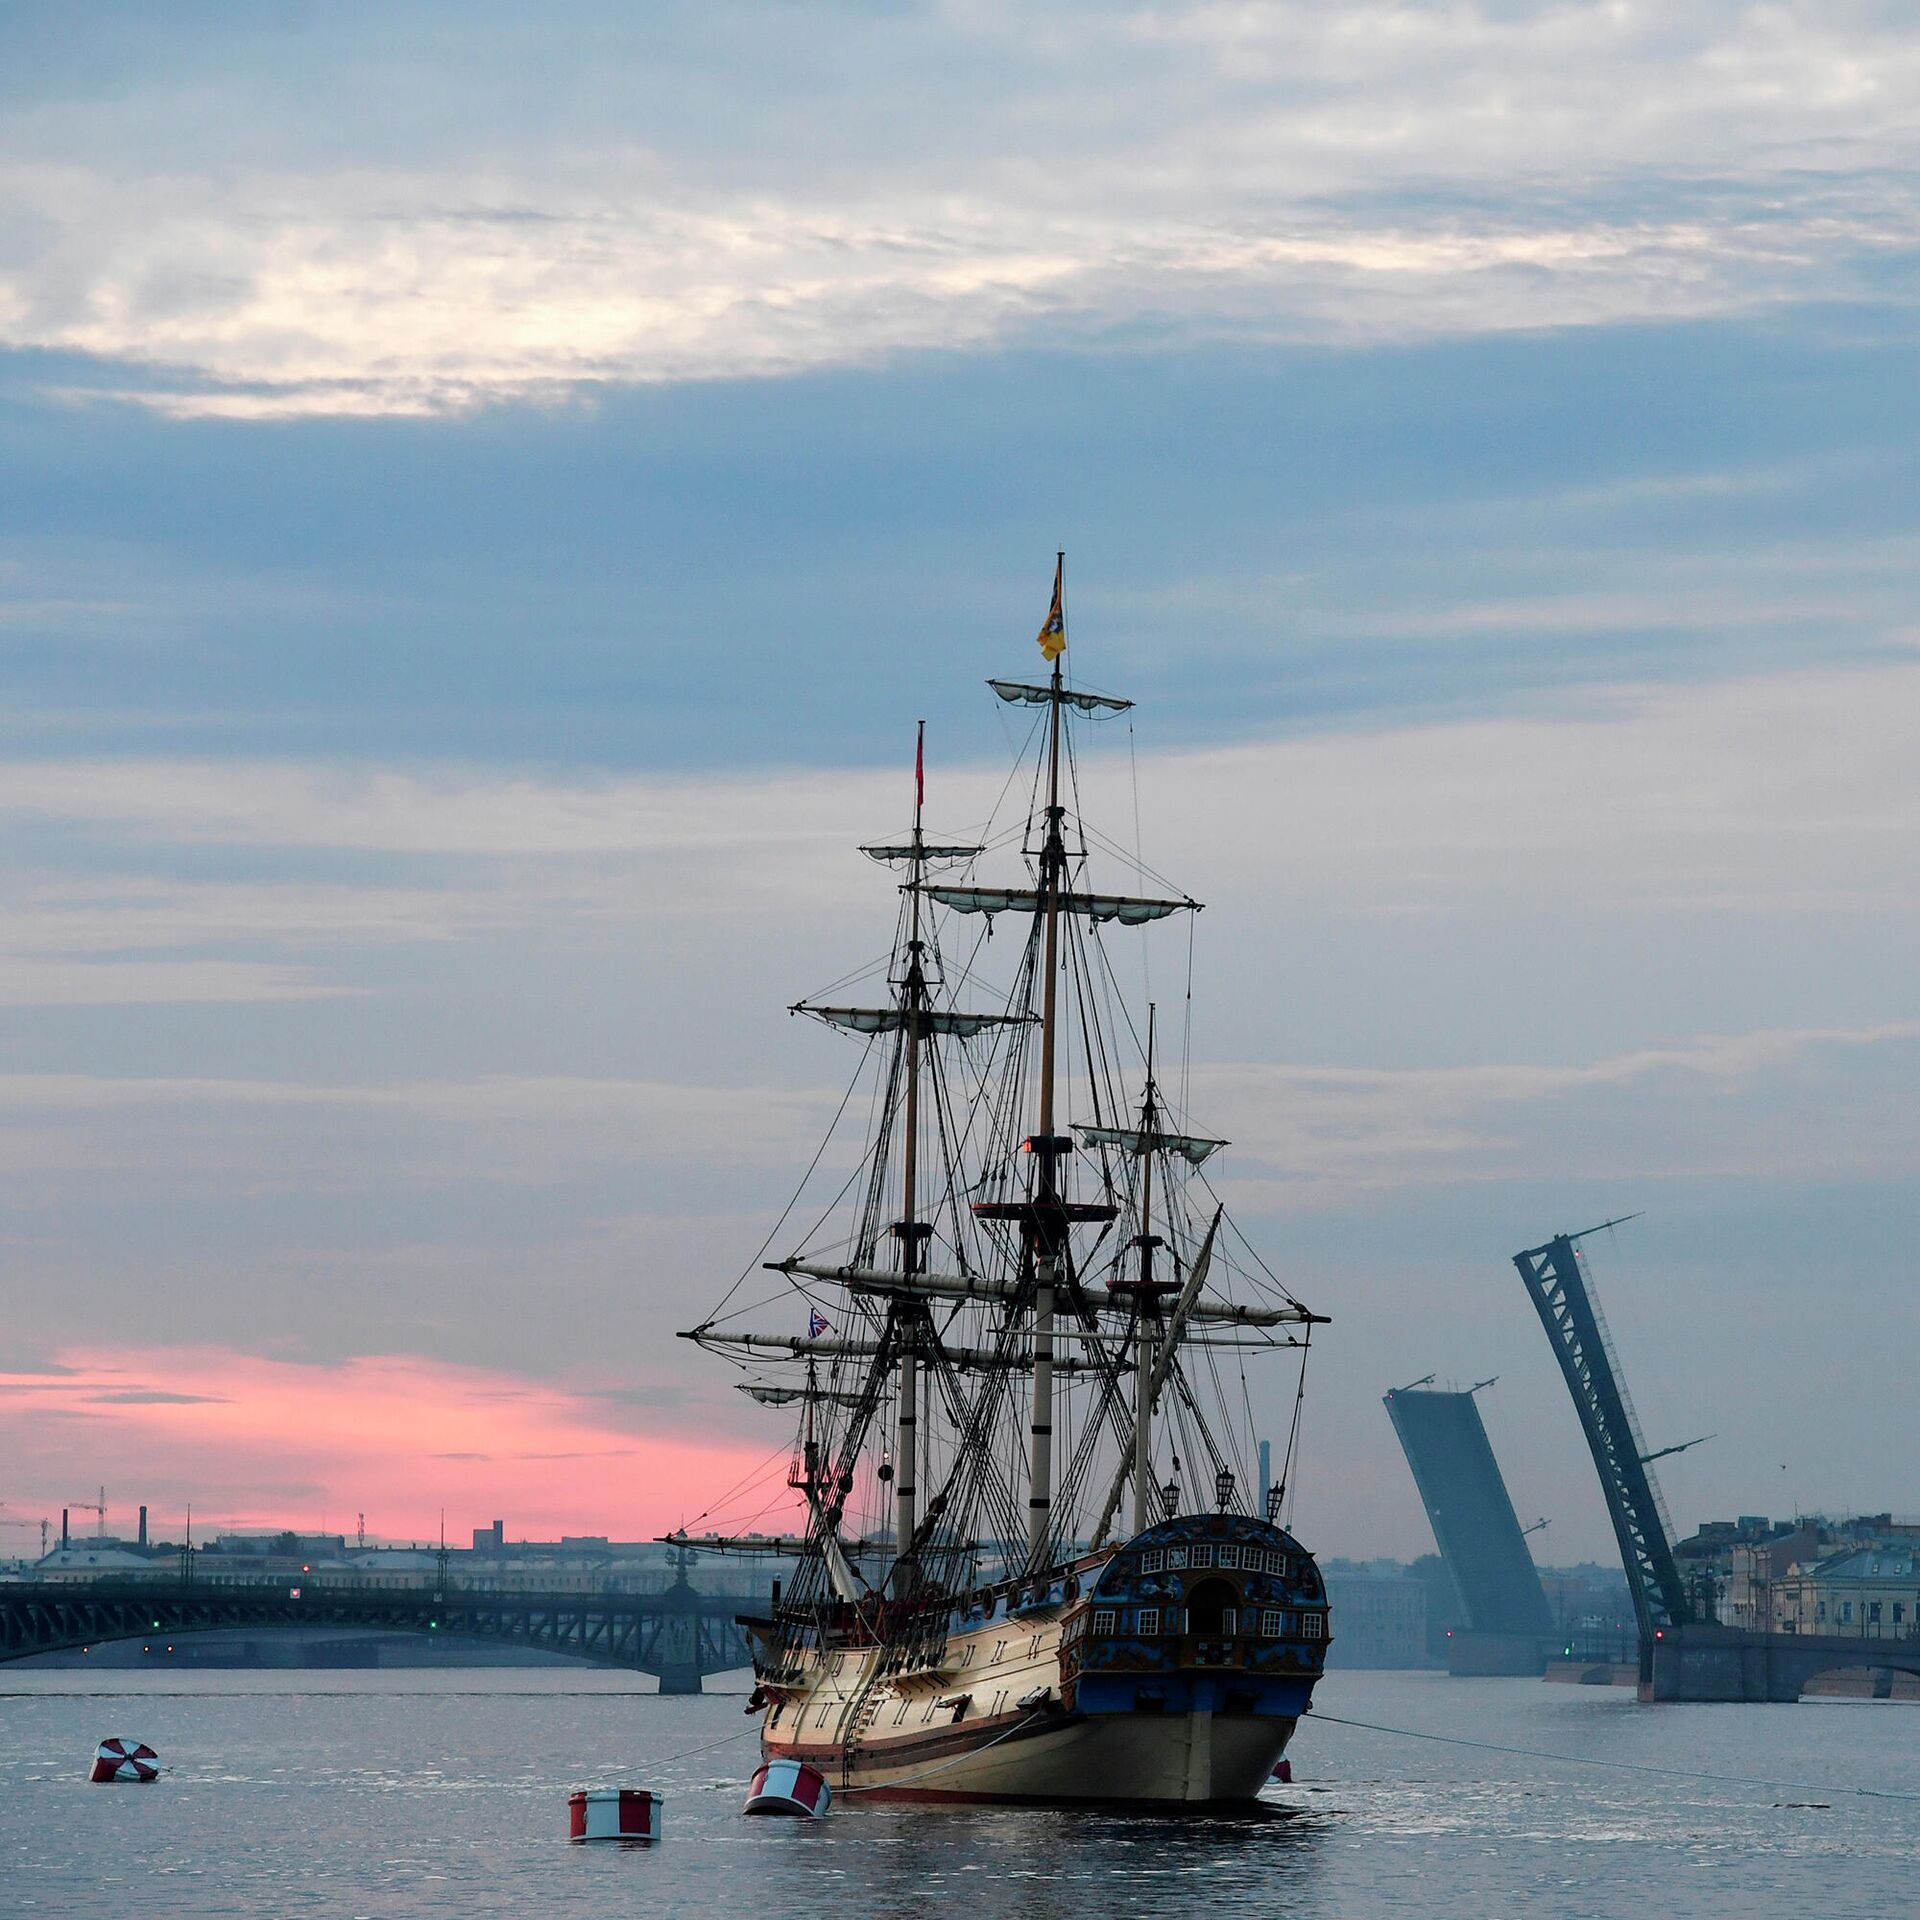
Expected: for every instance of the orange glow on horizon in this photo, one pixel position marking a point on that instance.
(256, 1442)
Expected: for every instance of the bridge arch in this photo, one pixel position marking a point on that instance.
(1727, 1663)
(679, 1635)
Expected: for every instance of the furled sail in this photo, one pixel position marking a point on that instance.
(773, 1396)
(1128, 911)
(782, 1543)
(963, 1359)
(1018, 692)
(927, 851)
(896, 1019)
(974, 1286)
(1137, 1140)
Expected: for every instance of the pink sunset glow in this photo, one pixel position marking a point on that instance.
(255, 1442)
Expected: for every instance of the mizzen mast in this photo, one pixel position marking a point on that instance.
(1146, 1308)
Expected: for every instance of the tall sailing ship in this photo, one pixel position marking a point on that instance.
(1036, 1563)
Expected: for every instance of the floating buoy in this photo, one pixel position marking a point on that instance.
(124, 1760)
(790, 1787)
(613, 1813)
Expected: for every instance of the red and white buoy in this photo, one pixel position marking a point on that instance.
(790, 1787)
(613, 1813)
(124, 1760)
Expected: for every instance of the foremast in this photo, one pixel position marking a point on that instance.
(909, 1316)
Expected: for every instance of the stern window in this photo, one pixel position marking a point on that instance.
(1272, 1623)
(1149, 1621)
(1152, 1560)
(1103, 1619)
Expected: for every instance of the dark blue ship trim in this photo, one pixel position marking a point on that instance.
(1210, 1613)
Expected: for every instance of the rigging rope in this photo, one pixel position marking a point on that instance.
(819, 1154)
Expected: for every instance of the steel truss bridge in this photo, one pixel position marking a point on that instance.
(1568, 1309)
(1683, 1656)
(678, 1635)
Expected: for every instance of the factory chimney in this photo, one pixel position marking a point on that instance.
(143, 1526)
(65, 1536)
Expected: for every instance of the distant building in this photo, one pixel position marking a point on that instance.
(98, 1559)
(1378, 1614)
(1752, 1572)
(1872, 1592)
(1756, 1570)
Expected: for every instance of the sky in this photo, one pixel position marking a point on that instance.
(485, 495)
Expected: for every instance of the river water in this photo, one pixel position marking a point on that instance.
(406, 1795)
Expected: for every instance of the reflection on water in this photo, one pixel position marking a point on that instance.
(408, 1796)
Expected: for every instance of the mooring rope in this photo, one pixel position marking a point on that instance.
(693, 1752)
(1619, 1766)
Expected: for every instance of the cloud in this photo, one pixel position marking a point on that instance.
(154, 1397)
(966, 176)
(263, 1136)
(1325, 1137)
(145, 983)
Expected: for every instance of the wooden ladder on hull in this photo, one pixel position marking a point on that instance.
(862, 1711)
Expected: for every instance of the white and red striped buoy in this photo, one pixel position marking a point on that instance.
(790, 1787)
(124, 1760)
(613, 1813)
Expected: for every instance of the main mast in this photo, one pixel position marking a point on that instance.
(1049, 1225)
(911, 1230)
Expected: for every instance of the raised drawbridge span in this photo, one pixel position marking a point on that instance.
(679, 1635)
(1557, 1286)
(1683, 1656)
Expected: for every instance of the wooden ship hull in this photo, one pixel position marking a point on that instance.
(1170, 1671)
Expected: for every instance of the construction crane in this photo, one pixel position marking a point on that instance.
(41, 1524)
(98, 1508)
